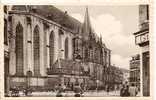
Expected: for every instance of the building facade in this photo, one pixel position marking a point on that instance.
(142, 40)
(44, 47)
(135, 70)
(6, 50)
(126, 75)
(114, 77)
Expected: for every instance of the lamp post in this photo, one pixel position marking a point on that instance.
(60, 68)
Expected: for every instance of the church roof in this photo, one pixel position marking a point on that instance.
(52, 13)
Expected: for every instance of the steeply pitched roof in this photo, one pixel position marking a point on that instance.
(19, 7)
(52, 13)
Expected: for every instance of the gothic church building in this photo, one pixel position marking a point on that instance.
(44, 47)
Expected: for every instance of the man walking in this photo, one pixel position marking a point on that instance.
(133, 90)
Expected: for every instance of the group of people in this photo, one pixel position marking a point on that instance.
(127, 90)
(78, 91)
(15, 91)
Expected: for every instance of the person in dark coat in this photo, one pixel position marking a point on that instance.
(77, 90)
(108, 89)
(126, 94)
(122, 91)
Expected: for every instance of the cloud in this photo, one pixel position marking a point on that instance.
(78, 17)
(120, 61)
(107, 26)
(111, 29)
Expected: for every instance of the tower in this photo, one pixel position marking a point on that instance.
(87, 30)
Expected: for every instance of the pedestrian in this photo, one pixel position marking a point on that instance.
(122, 91)
(64, 88)
(60, 90)
(107, 89)
(115, 89)
(72, 87)
(126, 91)
(26, 92)
(133, 90)
(77, 90)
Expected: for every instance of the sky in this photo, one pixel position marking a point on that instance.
(116, 24)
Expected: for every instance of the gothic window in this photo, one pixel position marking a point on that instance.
(36, 49)
(60, 39)
(5, 32)
(51, 51)
(77, 45)
(66, 48)
(91, 54)
(86, 53)
(96, 55)
(74, 46)
(19, 49)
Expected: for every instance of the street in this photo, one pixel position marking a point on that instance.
(71, 94)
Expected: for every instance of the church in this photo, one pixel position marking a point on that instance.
(45, 46)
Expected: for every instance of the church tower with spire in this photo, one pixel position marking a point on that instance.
(87, 30)
(86, 42)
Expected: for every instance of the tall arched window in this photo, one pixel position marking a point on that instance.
(66, 48)
(51, 51)
(60, 39)
(19, 49)
(86, 53)
(5, 32)
(36, 49)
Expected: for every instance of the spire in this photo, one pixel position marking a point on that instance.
(86, 27)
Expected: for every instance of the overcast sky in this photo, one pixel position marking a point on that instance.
(116, 24)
